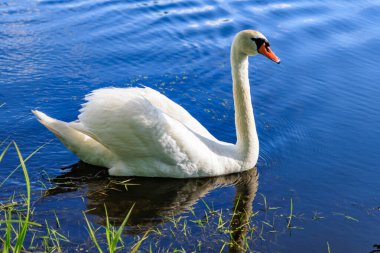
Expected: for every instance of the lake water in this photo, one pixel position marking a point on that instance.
(317, 114)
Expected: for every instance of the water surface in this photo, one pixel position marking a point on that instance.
(317, 113)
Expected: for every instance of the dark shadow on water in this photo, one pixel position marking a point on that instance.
(377, 248)
(155, 198)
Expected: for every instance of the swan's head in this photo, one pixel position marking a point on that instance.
(252, 42)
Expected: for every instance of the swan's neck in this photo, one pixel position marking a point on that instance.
(247, 141)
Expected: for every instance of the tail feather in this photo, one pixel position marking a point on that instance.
(83, 145)
(48, 122)
(42, 117)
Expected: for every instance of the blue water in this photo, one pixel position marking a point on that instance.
(317, 113)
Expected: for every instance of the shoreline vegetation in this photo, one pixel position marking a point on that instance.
(175, 223)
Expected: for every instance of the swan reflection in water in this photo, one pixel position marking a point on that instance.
(156, 198)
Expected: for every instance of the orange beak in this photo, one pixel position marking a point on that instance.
(265, 50)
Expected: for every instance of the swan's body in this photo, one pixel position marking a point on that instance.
(140, 132)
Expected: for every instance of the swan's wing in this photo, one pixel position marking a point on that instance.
(131, 126)
(174, 110)
(158, 100)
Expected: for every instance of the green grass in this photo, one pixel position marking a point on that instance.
(16, 231)
(113, 235)
(15, 235)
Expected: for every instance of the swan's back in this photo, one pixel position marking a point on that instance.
(115, 98)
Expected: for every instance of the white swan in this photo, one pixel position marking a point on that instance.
(140, 132)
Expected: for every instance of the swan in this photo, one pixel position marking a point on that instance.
(140, 132)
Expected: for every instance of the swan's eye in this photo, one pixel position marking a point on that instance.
(259, 42)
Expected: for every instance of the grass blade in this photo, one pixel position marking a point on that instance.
(120, 230)
(108, 229)
(21, 237)
(291, 213)
(26, 159)
(4, 151)
(7, 243)
(92, 234)
(138, 244)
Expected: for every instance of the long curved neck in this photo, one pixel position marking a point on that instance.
(247, 141)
